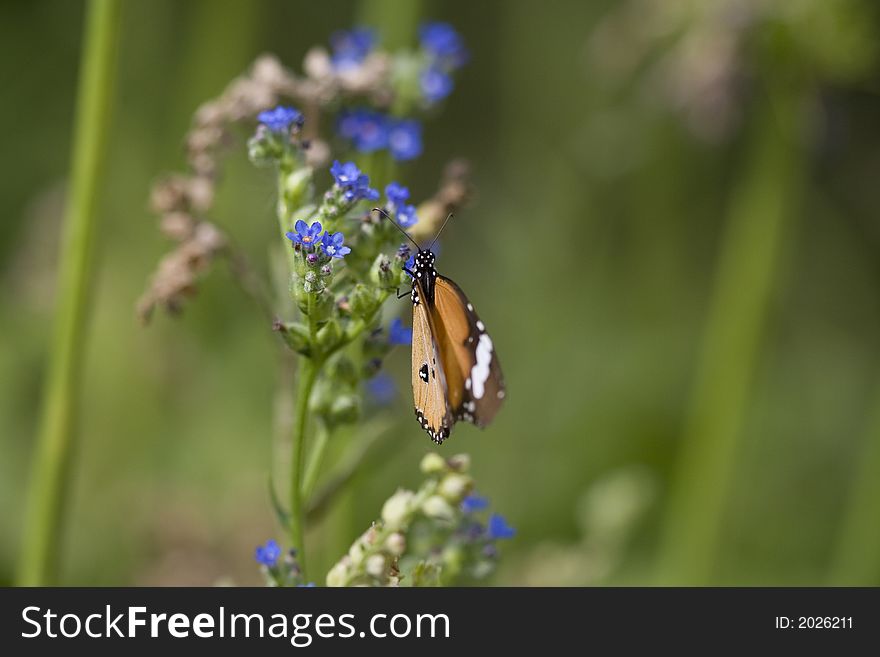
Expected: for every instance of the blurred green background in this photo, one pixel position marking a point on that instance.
(675, 243)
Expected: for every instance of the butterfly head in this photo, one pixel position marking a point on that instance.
(424, 261)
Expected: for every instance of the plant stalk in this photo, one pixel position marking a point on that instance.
(55, 442)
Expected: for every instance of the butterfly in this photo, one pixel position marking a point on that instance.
(456, 375)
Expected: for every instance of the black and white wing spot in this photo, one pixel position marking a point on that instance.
(423, 372)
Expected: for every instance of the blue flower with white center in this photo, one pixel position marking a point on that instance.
(398, 333)
(381, 388)
(280, 118)
(405, 140)
(473, 503)
(436, 84)
(355, 185)
(305, 235)
(406, 216)
(332, 245)
(443, 43)
(351, 47)
(396, 194)
(498, 527)
(268, 554)
(372, 132)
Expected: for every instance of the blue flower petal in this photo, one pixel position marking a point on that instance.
(398, 333)
(498, 527)
(280, 118)
(473, 503)
(405, 140)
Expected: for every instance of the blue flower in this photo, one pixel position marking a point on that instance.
(436, 84)
(306, 235)
(310, 585)
(368, 130)
(268, 554)
(396, 194)
(444, 43)
(355, 185)
(352, 47)
(332, 245)
(498, 527)
(381, 388)
(405, 139)
(474, 503)
(409, 264)
(406, 216)
(280, 118)
(398, 333)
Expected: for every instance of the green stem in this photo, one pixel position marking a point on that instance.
(316, 459)
(761, 211)
(56, 438)
(308, 373)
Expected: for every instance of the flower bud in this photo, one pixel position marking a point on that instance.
(329, 335)
(454, 487)
(338, 575)
(396, 509)
(363, 301)
(438, 508)
(323, 307)
(312, 259)
(356, 553)
(382, 273)
(295, 336)
(433, 463)
(295, 186)
(345, 409)
(459, 462)
(396, 544)
(375, 565)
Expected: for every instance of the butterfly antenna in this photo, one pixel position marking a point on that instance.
(437, 236)
(397, 226)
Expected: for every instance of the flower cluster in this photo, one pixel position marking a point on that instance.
(350, 48)
(370, 131)
(279, 568)
(335, 265)
(427, 537)
(445, 53)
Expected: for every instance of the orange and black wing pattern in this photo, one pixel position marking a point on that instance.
(475, 384)
(428, 377)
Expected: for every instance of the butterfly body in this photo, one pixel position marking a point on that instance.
(456, 375)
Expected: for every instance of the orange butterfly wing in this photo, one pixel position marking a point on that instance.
(428, 376)
(475, 383)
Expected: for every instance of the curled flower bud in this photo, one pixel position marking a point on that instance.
(455, 486)
(396, 544)
(438, 508)
(397, 508)
(375, 565)
(312, 259)
(433, 463)
(459, 462)
(363, 301)
(338, 575)
(356, 553)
